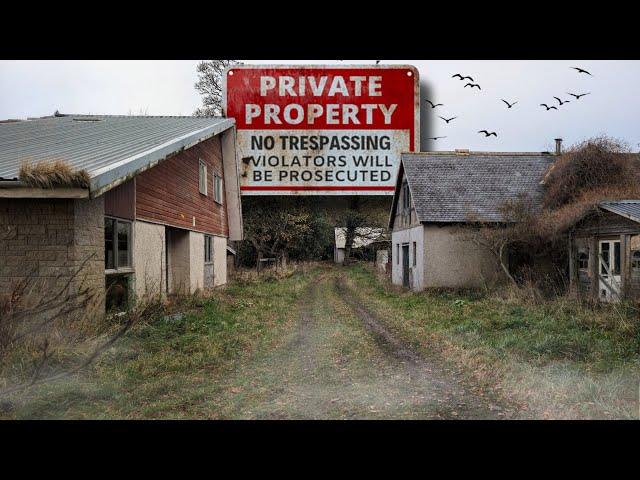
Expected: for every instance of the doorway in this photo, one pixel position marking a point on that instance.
(405, 265)
(609, 270)
(177, 261)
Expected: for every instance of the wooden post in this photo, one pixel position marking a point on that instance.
(595, 268)
(573, 283)
(625, 262)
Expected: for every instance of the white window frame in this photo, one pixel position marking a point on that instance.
(202, 177)
(217, 188)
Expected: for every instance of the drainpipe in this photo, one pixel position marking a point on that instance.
(558, 146)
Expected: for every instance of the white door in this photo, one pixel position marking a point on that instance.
(609, 270)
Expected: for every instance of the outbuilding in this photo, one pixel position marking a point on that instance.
(439, 196)
(604, 252)
(154, 214)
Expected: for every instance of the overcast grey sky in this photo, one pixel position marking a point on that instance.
(37, 88)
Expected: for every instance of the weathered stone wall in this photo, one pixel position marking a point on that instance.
(49, 240)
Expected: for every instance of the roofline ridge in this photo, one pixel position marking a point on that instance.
(454, 153)
(62, 115)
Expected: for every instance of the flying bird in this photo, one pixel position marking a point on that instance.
(548, 107)
(509, 105)
(561, 102)
(461, 77)
(435, 138)
(488, 134)
(432, 104)
(377, 62)
(580, 70)
(578, 95)
(472, 85)
(447, 119)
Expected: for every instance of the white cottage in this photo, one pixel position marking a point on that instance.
(436, 194)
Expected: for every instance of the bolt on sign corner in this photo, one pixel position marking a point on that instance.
(322, 130)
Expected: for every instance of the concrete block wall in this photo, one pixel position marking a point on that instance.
(149, 258)
(49, 240)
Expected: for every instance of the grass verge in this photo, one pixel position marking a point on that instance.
(558, 359)
(168, 367)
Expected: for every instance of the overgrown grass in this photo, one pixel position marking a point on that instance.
(166, 368)
(560, 358)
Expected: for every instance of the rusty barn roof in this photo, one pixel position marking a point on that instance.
(108, 147)
(462, 186)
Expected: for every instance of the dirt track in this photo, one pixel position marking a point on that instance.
(341, 362)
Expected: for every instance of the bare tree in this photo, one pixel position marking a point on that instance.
(360, 223)
(25, 317)
(514, 231)
(209, 85)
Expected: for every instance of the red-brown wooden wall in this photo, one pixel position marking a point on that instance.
(168, 193)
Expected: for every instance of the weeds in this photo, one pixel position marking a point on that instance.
(53, 174)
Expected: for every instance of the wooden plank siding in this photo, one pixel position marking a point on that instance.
(168, 193)
(120, 201)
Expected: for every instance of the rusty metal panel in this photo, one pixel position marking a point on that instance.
(322, 130)
(121, 201)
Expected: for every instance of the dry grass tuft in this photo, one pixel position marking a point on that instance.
(53, 174)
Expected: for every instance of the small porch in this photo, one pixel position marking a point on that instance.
(604, 252)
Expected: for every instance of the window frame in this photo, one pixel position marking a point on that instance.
(202, 177)
(208, 239)
(415, 251)
(397, 254)
(635, 261)
(117, 268)
(217, 191)
(586, 254)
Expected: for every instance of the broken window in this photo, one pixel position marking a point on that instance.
(117, 244)
(635, 261)
(583, 260)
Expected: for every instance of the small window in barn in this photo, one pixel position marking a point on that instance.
(124, 244)
(208, 249)
(203, 178)
(635, 261)
(109, 244)
(415, 251)
(398, 253)
(583, 260)
(117, 244)
(217, 188)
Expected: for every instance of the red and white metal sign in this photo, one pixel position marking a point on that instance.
(322, 130)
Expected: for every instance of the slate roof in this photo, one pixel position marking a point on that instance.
(107, 147)
(626, 208)
(456, 187)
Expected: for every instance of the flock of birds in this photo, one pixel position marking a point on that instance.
(471, 84)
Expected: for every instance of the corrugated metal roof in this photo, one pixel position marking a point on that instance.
(627, 208)
(107, 147)
(454, 187)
